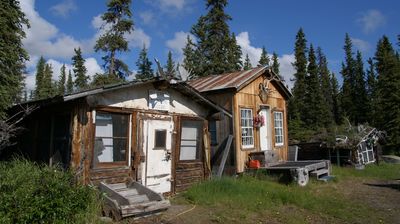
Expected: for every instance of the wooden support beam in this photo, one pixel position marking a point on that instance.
(225, 156)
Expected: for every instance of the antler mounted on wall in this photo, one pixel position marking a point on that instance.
(265, 90)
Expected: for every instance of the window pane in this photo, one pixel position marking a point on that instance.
(191, 140)
(212, 128)
(246, 123)
(111, 139)
(161, 139)
(278, 126)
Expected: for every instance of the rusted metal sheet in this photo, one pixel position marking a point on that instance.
(225, 81)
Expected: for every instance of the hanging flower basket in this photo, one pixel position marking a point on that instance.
(258, 121)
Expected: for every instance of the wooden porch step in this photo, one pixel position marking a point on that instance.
(128, 192)
(319, 173)
(117, 186)
(139, 198)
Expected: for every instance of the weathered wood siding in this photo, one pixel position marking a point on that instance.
(135, 103)
(187, 173)
(248, 98)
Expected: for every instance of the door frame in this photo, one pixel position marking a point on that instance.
(267, 125)
(145, 147)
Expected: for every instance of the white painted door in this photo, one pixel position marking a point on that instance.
(157, 170)
(265, 133)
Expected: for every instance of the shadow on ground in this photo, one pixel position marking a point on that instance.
(393, 185)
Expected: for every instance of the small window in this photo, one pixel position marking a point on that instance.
(246, 123)
(278, 125)
(111, 137)
(212, 128)
(191, 140)
(160, 139)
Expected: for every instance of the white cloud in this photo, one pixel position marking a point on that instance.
(371, 20)
(92, 67)
(175, 4)
(30, 82)
(147, 17)
(171, 7)
(138, 38)
(177, 43)
(97, 21)
(244, 42)
(361, 45)
(286, 68)
(43, 38)
(64, 8)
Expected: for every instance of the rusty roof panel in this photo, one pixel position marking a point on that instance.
(225, 81)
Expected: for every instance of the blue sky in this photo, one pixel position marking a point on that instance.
(57, 26)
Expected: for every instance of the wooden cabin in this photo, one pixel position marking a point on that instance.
(153, 132)
(257, 99)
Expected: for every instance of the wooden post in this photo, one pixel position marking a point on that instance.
(338, 157)
(225, 156)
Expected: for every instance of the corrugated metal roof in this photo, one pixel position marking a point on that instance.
(180, 86)
(226, 81)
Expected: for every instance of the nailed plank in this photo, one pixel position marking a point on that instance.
(225, 156)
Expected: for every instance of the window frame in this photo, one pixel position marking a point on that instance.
(199, 147)
(124, 163)
(282, 135)
(213, 130)
(165, 139)
(249, 127)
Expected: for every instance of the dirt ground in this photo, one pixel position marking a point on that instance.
(382, 196)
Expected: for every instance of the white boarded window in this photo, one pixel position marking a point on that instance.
(191, 137)
(111, 137)
(278, 125)
(246, 123)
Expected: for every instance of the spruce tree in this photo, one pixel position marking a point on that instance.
(13, 55)
(170, 66)
(38, 94)
(234, 55)
(371, 93)
(144, 66)
(216, 50)
(336, 107)
(189, 61)
(70, 83)
(61, 81)
(47, 84)
(359, 91)
(247, 64)
(388, 90)
(264, 58)
(326, 89)
(81, 79)
(348, 74)
(314, 113)
(275, 65)
(118, 22)
(296, 103)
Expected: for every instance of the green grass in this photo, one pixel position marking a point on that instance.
(232, 199)
(384, 171)
(251, 194)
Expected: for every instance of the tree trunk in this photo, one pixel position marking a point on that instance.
(112, 64)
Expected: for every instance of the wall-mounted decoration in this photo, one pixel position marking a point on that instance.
(159, 100)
